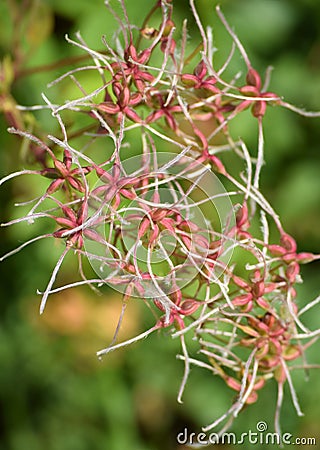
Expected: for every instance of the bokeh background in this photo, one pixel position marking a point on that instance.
(54, 393)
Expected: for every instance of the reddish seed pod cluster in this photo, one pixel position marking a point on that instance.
(147, 228)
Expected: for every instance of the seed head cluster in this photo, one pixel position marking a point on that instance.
(171, 212)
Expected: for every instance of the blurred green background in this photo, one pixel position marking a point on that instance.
(54, 393)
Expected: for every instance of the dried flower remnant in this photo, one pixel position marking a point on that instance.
(160, 226)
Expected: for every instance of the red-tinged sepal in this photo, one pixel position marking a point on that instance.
(63, 221)
(288, 242)
(54, 186)
(108, 107)
(188, 307)
(263, 303)
(201, 70)
(253, 78)
(291, 352)
(189, 80)
(305, 257)
(144, 226)
(259, 109)
(292, 271)
(242, 300)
